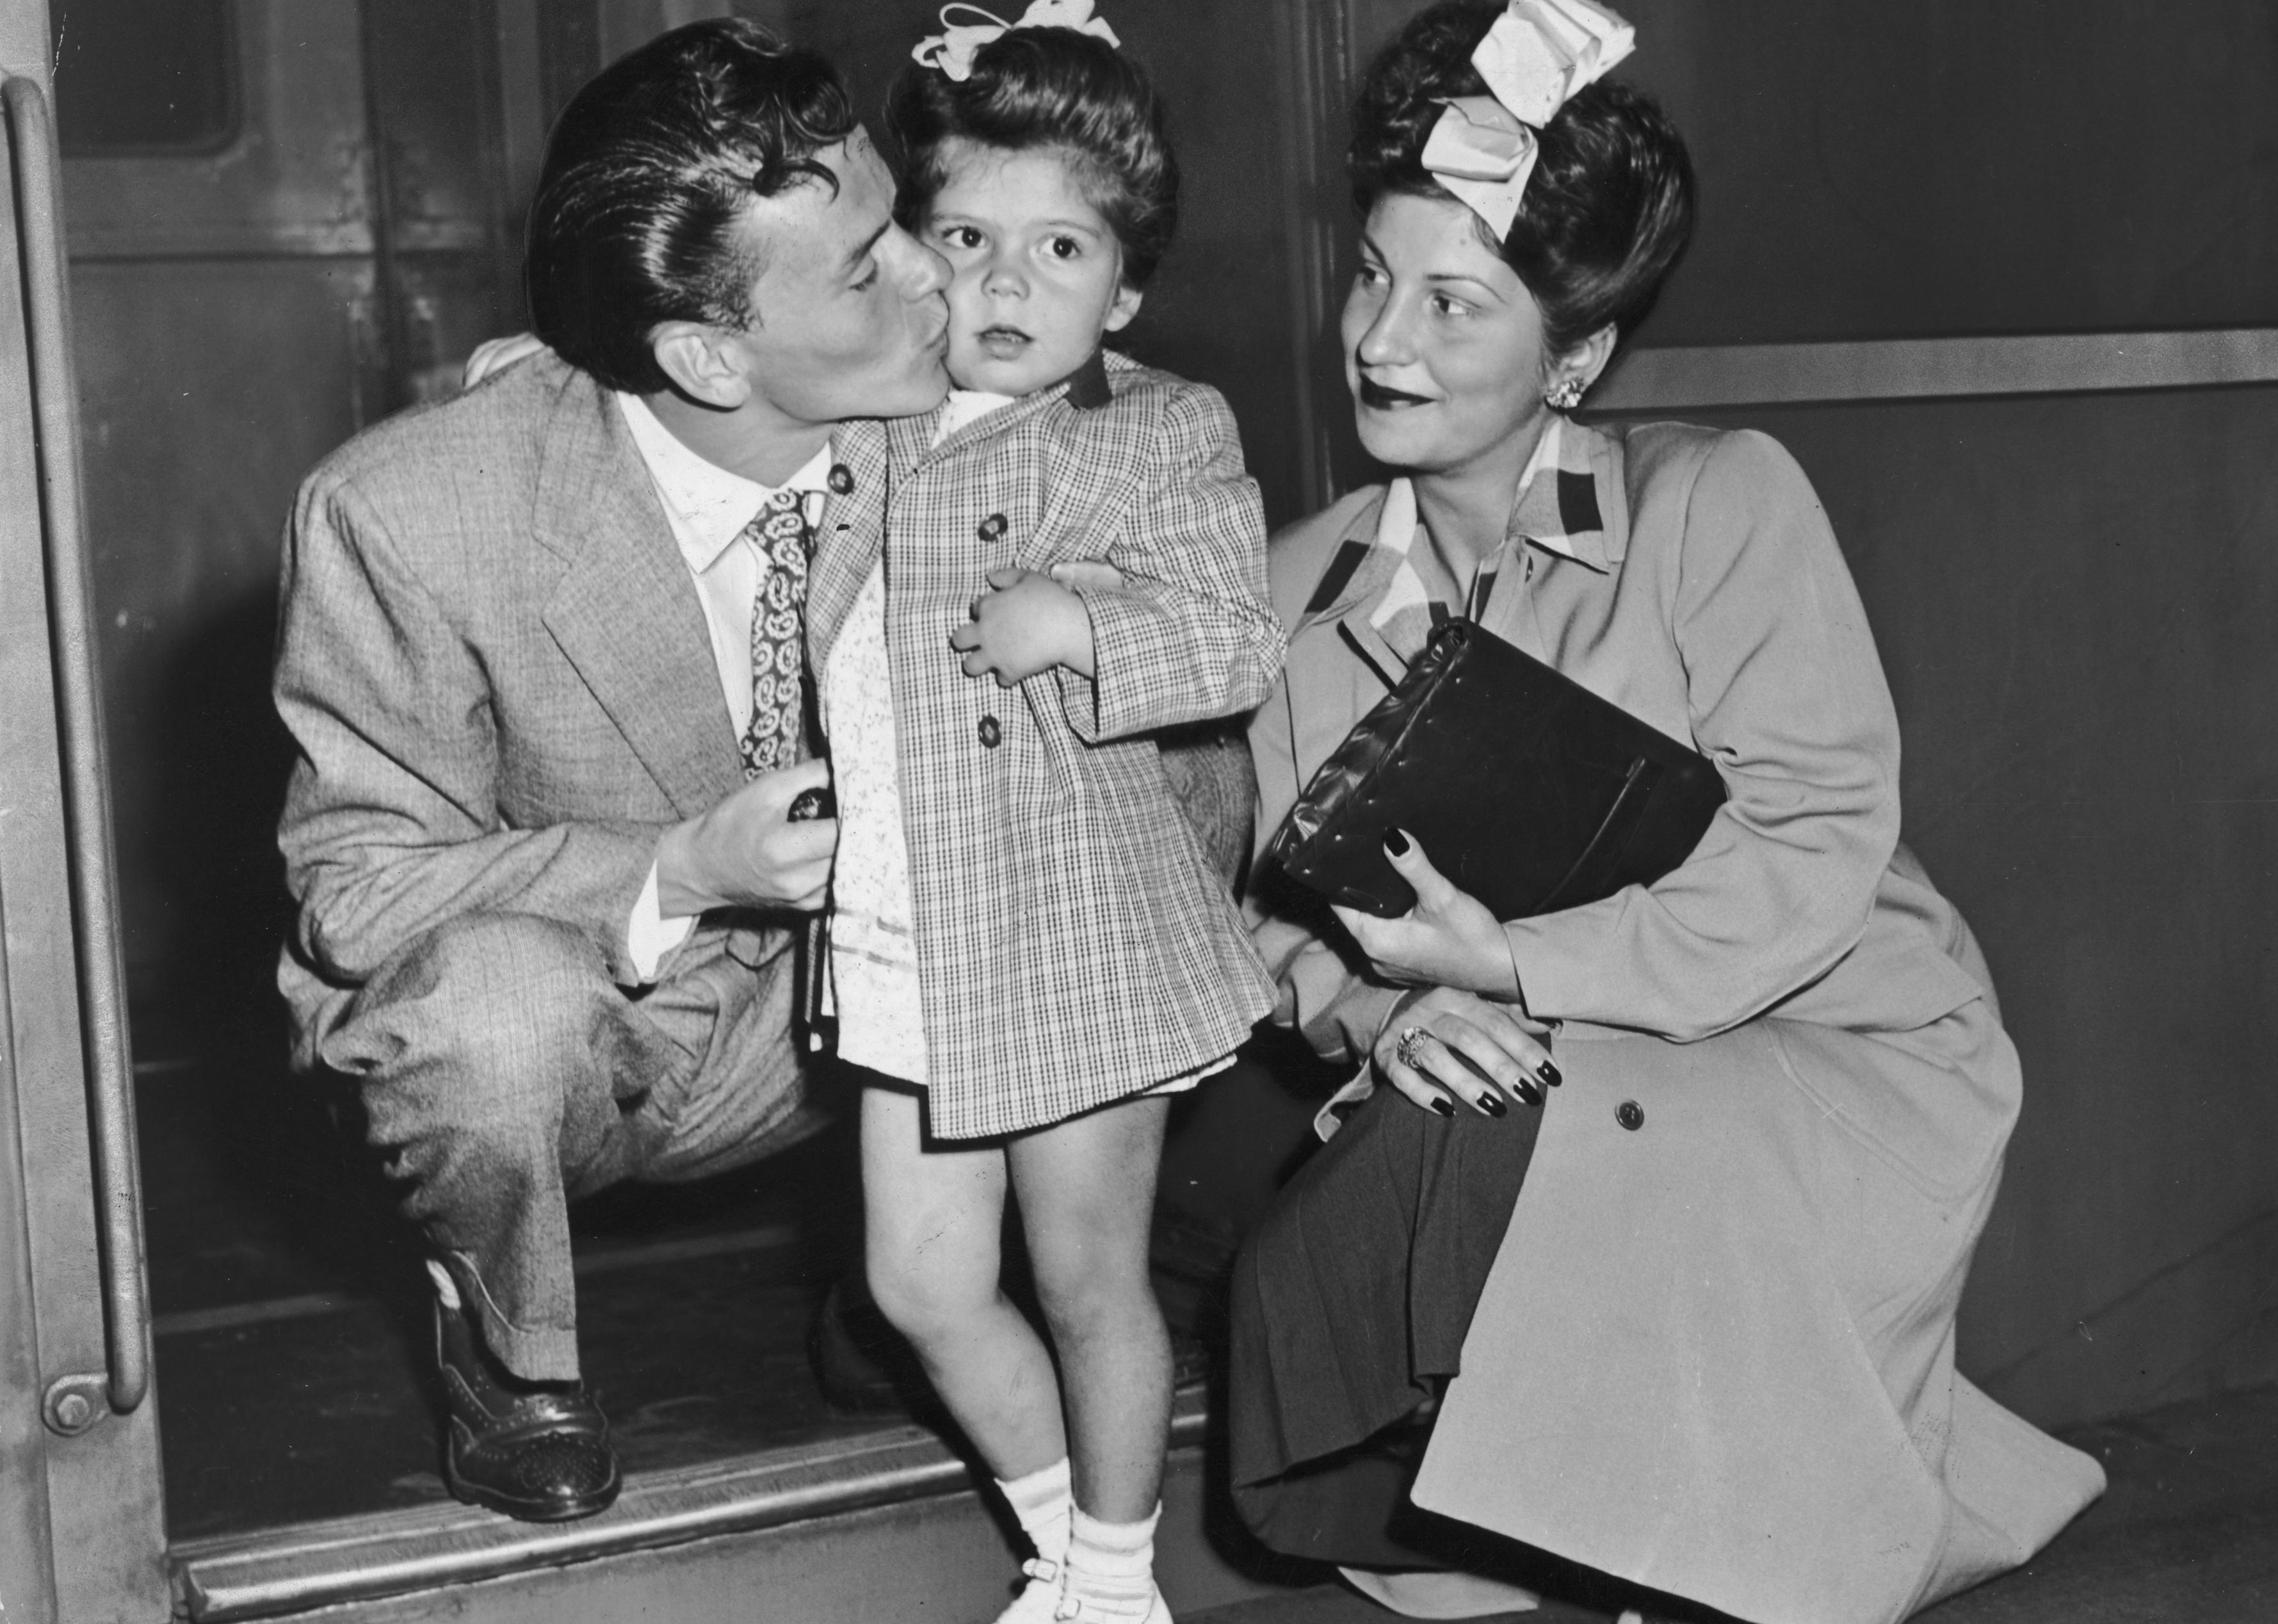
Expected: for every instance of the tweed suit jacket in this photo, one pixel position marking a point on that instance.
(496, 669)
(1074, 945)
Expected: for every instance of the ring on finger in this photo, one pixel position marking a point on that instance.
(1404, 1051)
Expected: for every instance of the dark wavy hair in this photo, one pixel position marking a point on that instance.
(646, 176)
(1051, 88)
(1605, 216)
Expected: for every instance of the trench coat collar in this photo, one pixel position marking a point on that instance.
(624, 611)
(1553, 513)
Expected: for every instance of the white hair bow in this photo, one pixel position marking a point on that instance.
(952, 49)
(1539, 53)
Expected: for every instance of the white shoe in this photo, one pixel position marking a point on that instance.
(1429, 1594)
(1039, 1600)
(1074, 1611)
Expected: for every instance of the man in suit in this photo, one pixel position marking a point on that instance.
(541, 652)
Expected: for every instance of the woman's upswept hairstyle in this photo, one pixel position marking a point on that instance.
(1049, 87)
(1608, 209)
(645, 178)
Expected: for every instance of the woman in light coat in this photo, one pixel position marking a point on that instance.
(1689, 1319)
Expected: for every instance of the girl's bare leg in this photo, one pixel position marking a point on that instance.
(934, 1222)
(1086, 1189)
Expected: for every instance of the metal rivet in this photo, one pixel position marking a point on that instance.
(75, 1403)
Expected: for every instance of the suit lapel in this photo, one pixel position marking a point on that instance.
(624, 612)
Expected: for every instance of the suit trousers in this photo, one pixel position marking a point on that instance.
(504, 1074)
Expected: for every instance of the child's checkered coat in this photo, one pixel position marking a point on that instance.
(1075, 947)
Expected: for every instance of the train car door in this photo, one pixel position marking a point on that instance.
(80, 1531)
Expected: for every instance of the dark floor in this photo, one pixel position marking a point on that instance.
(293, 1313)
(2187, 1535)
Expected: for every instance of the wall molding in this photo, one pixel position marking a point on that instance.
(1661, 380)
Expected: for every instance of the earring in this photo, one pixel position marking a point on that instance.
(1566, 396)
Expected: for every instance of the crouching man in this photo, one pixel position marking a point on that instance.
(540, 654)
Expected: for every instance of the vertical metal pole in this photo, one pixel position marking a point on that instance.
(87, 787)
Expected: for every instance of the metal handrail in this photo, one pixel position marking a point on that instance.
(86, 781)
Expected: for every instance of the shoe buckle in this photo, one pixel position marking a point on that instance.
(1041, 1569)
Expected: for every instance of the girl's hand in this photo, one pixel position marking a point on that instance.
(1026, 624)
(1448, 939)
(496, 355)
(1095, 573)
(1442, 1045)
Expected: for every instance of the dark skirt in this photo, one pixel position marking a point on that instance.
(1351, 1300)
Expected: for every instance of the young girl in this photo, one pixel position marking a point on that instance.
(1028, 950)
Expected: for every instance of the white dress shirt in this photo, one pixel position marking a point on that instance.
(707, 508)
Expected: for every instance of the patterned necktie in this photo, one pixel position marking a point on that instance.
(785, 540)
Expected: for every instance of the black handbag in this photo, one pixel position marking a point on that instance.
(1524, 788)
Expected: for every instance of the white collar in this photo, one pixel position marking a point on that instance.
(712, 504)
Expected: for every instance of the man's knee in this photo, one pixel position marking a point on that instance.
(487, 1023)
(493, 995)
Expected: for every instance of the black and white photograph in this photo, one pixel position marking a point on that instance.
(1139, 811)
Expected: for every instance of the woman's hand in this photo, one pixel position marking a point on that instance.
(496, 355)
(1443, 1045)
(1448, 939)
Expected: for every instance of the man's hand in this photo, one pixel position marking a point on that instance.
(747, 853)
(1027, 624)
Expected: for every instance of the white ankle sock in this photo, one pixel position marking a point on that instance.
(1111, 1568)
(1042, 1502)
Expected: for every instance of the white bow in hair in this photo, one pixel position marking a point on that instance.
(952, 49)
(1539, 53)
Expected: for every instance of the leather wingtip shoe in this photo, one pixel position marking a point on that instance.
(539, 1450)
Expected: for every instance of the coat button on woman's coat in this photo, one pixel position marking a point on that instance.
(1629, 1114)
(990, 733)
(993, 527)
(842, 479)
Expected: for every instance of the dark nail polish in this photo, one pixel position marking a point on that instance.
(1493, 1105)
(1549, 1074)
(1396, 842)
(1529, 1096)
(1445, 1107)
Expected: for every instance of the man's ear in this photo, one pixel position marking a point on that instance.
(700, 365)
(1123, 308)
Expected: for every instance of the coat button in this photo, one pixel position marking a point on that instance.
(993, 527)
(1629, 1114)
(842, 479)
(991, 734)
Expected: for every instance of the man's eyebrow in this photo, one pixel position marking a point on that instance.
(861, 250)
